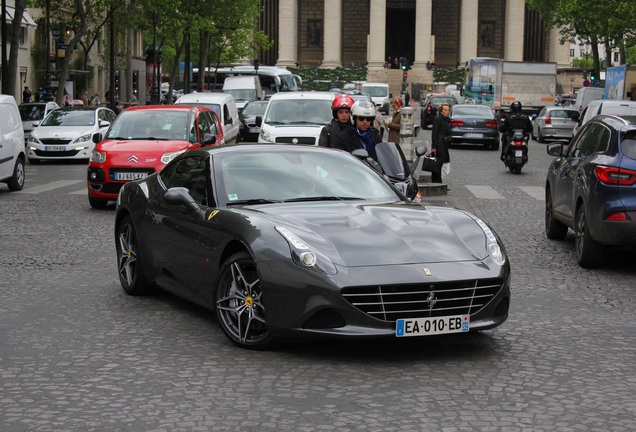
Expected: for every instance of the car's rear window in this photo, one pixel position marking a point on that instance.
(473, 111)
(570, 114)
(438, 101)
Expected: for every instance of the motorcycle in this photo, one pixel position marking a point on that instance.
(516, 153)
(392, 165)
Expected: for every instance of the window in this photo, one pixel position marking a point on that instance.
(190, 173)
(571, 52)
(616, 56)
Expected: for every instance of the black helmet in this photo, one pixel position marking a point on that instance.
(515, 106)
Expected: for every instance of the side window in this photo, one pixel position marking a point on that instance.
(603, 136)
(588, 143)
(204, 125)
(214, 124)
(190, 173)
(192, 128)
(226, 114)
(575, 150)
(542, 113)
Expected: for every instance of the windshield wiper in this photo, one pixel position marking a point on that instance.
(322, 198)
(253, 201)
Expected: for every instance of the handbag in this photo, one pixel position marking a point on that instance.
(431, 164)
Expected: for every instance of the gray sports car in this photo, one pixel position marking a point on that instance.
(285, 241)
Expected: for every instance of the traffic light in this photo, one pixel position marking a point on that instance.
(584, 75)
(405, 66)
(592, 76)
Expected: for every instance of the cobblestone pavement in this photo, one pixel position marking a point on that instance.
(77, 354)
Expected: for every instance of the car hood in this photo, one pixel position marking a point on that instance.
(351, 235)
(63, 131)
(147, 151)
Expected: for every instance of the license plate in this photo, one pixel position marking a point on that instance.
(518, 153)
(473, 135)
(254, 130)
(54, 148)
(130, 176)
(432, 326)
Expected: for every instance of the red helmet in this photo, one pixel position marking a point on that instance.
(341, 101)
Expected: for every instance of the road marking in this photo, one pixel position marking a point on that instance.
(79, 192)
(484, 192)
(536, 192)
(49, 186)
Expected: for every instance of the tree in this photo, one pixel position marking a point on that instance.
(10, 80)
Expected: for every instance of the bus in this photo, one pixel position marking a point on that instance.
(273, 79)
(480, 80)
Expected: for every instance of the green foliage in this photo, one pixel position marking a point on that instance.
(451, 75)
(582, 62)
(326, 79)
(630, 54)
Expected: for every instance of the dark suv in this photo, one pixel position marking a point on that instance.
(591, 188)
(430, 106)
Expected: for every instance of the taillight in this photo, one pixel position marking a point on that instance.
(547, 120)
(617, 217)
(428, 108)
(457, 123)
(491, 123)
(615, 176)
(518, 143)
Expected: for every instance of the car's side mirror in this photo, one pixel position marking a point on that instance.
(35, 124)
(258, 120)
(361, 154)
(103, 124)
(181, 196)
(555, 149)
(228, 121)
(97, 137)
(208, 139)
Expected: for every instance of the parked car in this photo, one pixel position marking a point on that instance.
(32, 113)
(554, 122)
(249, 129)
(286, 241)
(607, 107)
(67, 133)
(474, 124)
(430, 105)
(295, 117)
(223, 105)
(591, 188)
(141, 141)
(12, 157)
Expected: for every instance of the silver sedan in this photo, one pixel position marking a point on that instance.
(554, 123)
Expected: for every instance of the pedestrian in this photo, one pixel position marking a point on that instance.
(96, 102)
(68, 100)
(84, 98)
(360, 134)
(26, 95)
(394, 125)
(441, 136)
(341, 109)
(407, 98)
(41, 94)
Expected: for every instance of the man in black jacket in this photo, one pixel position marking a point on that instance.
(515, 121)
(360, 134)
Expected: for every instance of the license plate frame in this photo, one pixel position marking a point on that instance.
(129, 176)
(406, 327)
(473, 135)
(518, 153)
(51, 148)
(254, 130)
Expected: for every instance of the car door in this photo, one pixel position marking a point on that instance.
(536, 124)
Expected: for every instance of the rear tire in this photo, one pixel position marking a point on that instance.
(16, 182)
(517, 169)
(588, 252)
(540, 138)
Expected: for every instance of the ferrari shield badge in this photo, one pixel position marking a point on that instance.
(427, 272)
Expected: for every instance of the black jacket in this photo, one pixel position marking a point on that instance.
(515, 121)
(441, 138)
(349, 140)
(328, 133)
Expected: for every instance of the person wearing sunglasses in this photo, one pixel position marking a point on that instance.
(361, 133)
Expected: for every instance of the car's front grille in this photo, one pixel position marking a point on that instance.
(69, 153)
(299, 140)
(55, 141)
(391, 302)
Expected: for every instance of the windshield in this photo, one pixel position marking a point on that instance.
(214, 107)
(299, 111)
(155, 124)
(392, 160)
(375, 91)
(31, 112)
(70, 118)
(241, 94)
(299, 175)
(255, 108)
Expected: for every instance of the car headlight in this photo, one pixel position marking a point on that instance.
(492, 245)
(33, 140)
(83, 138)
(266, 136)
(98, 156)
(167, 157)
(304, 255)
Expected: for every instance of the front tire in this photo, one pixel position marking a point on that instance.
(16, 182)
(554, 229)
(240, 309)
(131, 272)
(588, 252)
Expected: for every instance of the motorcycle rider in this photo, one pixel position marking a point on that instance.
(515, 121)
(361, 133)
(341, 109)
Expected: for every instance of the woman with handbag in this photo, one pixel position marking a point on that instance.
(441, 141)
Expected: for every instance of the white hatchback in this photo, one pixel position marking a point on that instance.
(11, 144)
(296, 117)
(67, 133)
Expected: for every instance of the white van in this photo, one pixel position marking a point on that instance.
(586, 95)
(244, 89)
(380, 95)
(295, 117)
(223, 105)
(607, 107)
(12, 157)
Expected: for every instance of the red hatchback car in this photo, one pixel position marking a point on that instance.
(142, 140)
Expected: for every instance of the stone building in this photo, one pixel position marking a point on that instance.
(428, 33)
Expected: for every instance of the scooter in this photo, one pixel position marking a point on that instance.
(516, 153)
(392, 165)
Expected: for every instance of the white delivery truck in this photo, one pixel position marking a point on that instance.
(244, 88)
(380, 95)
(531, 83)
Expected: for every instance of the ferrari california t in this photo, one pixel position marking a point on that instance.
(285, 241)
